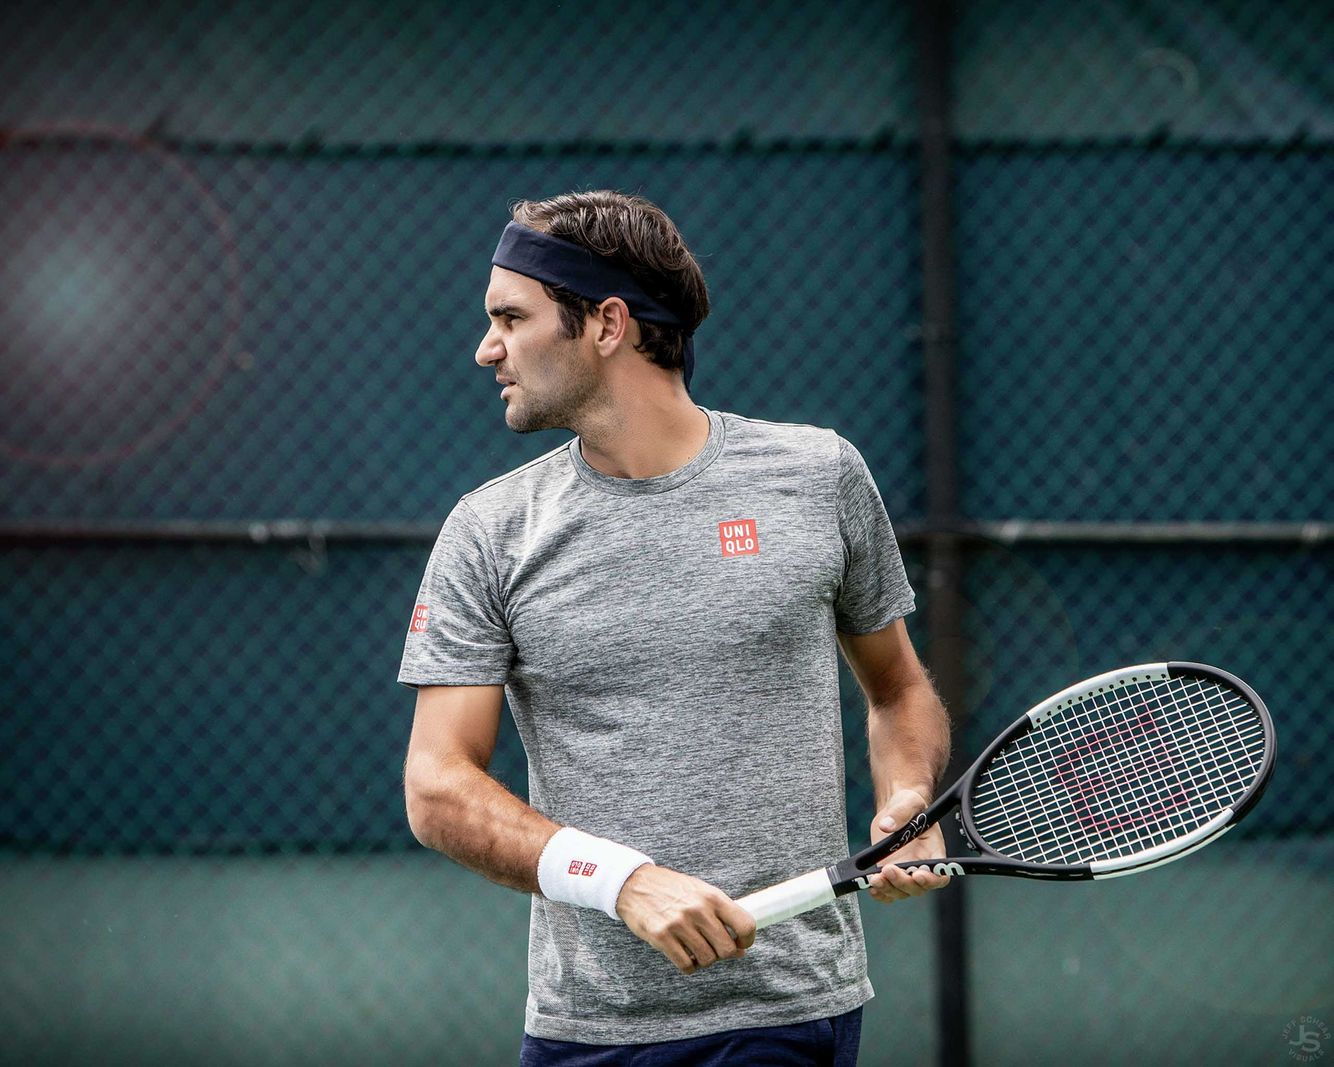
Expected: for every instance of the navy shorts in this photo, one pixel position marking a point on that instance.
(822, 1043)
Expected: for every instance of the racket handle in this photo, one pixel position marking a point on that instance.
(786, 899)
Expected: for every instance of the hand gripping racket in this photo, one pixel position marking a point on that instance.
(1119, 773)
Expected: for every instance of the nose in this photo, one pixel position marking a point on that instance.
(491, 350)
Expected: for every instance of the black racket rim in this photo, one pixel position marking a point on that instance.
(1174, 669)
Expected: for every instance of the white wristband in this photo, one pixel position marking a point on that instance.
(578, 868)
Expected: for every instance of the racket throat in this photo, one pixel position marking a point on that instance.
(846, 877)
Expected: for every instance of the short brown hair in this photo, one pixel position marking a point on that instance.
(639, 234)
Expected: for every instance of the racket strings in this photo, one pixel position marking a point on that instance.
(1124, 772)
(1131, 787)
(1120, 772)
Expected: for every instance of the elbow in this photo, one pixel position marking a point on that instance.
(428, 808)
(430, 818)
(422, 819)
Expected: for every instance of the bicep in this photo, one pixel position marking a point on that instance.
(454, 722)
(884, 662)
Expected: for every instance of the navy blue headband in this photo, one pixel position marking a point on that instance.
(559, 262)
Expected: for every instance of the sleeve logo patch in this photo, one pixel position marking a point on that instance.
(739, 538)
(421, 615)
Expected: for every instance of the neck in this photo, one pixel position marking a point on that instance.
(647, 433)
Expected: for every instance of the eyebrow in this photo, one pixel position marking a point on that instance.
(498, 310)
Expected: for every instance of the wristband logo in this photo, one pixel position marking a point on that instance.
(578, 867)
(739, 538)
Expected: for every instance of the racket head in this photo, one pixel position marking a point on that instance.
(1121, 772)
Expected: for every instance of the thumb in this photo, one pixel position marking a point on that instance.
(902, 805)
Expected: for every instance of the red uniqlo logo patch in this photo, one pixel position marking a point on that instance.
(580, 867)
(420, 615)
(739, 538)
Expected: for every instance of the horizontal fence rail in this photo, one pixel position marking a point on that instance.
(1004, 531)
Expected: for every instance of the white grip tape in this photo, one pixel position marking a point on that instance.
(587, 871)
(786, 899)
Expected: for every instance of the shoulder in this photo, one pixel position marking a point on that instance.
(791, 440)
(520, 484)
(506, 507)
(797, 447)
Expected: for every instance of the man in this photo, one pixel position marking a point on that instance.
(662, 599)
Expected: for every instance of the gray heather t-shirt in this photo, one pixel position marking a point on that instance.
(668, 649)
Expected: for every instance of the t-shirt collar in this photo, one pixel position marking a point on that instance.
(661, 483)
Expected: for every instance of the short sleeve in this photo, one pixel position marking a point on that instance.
(875, 589)
(458, 634)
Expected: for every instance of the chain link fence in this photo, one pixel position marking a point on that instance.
(242, 256)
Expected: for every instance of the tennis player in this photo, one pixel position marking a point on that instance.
(662, 600)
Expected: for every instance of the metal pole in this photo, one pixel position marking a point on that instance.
(944, 599)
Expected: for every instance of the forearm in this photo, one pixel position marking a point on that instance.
(908, 741)
(457, 808)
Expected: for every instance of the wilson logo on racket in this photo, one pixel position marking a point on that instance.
(1091, 772)
(420, 616)
(739, 538)
(954, 870)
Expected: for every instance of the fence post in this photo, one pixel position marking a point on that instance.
(944, 608)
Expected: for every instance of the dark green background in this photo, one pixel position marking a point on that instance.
(266, 307)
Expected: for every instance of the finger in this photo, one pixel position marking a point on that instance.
(931, 880)
(915, 882)
(720, 938)
(927, 878)
(720, 941)
(680, 958)
(740, 922)
(883, 891)
(699, 948)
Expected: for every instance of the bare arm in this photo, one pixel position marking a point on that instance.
(908, 730)
(454, 805)
(908, 745)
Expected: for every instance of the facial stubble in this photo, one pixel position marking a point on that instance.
(558, 395)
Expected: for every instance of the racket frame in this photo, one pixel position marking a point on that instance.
(849, 875)
(822, 885)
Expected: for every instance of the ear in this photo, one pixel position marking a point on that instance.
(611, 324)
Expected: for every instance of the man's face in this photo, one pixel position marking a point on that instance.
(549, 378)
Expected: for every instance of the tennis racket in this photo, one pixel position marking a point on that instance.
(1117, 774)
